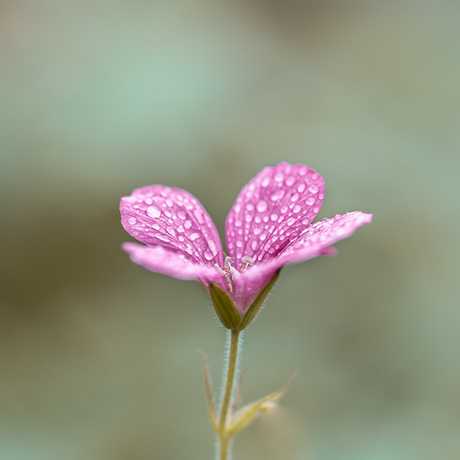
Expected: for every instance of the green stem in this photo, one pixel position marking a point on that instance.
(227, 396)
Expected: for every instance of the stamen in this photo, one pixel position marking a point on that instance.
(246, 261)
(226, 272)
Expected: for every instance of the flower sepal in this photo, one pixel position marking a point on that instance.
(227, 312)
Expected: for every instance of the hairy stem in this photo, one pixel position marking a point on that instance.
(227, 395)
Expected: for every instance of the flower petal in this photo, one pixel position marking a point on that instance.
(161, 260)
(316, 240)
(172, 218)
(272, 210)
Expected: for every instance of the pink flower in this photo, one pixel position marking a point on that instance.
(268, 227)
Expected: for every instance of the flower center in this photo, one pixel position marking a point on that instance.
(226, 272)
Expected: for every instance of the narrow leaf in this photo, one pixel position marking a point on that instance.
(224, 307)
(209, 393)
(254, 308)
(247, 414)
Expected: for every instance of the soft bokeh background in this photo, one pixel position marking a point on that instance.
(98, 356)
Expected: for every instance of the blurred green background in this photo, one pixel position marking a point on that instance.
(97, 355)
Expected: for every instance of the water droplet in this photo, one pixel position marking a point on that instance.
(290, 180)
(199, 216)
(182, 215)
(148, 201)
(257, 231)
(295, 197)
(194, 236)
(258, 220)
(290, 221)
(162, 237)
(135, 233)
(248, 218)
(297, 208)
(261, 206)
(277, 195)
(313, 189)
(153, 211)
(250, 207)
(265, 182)
(207, 255)
(263, 237)
(239, 243)
(271, 250)
(212, 247)
(316, 210)
(237, 208)
(171, 231)
(265, 219)
(132, 220)
(279, 176)
(168, 214)
(240, 231)
(156, 226)
(254, 245)
(181, 238)
(309, 201)
(238, 223)
(301, 188)
(180, 229)
(274, 216)
(188, 224)
(302, 171)
(284, 210)
(189, 250)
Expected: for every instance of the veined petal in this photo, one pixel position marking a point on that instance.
(314, 241)
(162, 260)
(172, 218)
(271, 211)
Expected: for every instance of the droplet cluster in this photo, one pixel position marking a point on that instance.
(272, 211)
(172, 218)
(326, 232)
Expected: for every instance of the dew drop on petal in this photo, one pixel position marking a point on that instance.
(213, 247)
(153, 211)
(263, 237)
(250, 207)
(181, 238)
(248, 218)
(194, 236)
(313, 189)
(207, 255)
(274, 216)
(132, 220)
(295, 197)
(309, 201)
(162, 237)
(254, 245)
(297, 208)
(258, 220)
(290, 221)
(182, 215)
(188, 224)
(284, 210)
(168, 214)
(156, 226)
(301, 187)
(265, 182)
(261, 206)
(239, 243)
(238, 223)
(290, 180)
(171, 231)
(279, 176)
(148, 201)
(257, 231)
(199, 216)
(277, 195)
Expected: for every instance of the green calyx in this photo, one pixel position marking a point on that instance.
(227, 312)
